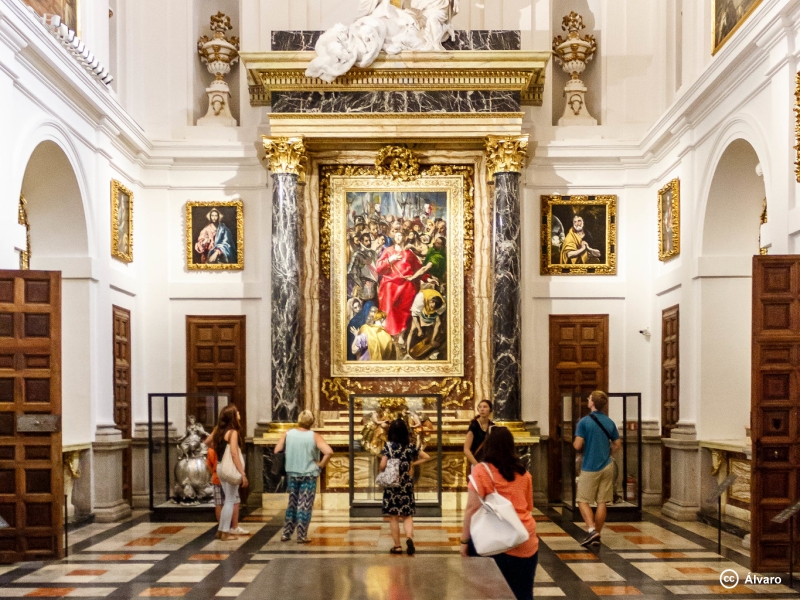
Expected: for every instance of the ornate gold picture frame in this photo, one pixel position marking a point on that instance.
(121, 222)
(797, 125)
(215, 235)
(397, 254)
(727, 16)
(579, 235)
(669, 220)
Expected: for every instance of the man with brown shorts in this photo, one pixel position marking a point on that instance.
(598, 437)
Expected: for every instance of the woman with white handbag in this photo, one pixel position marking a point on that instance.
(498, 520)
(225, 440)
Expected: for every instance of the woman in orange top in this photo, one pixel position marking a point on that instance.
(513, 482)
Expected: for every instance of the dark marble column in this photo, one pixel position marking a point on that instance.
(285, 156)
(506, 157)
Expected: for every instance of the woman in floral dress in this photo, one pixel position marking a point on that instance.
(398, 501)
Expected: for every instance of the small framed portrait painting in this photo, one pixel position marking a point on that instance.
(579, 235)
(121, 222)
(215, 235)
(669, 220)
(728, 16)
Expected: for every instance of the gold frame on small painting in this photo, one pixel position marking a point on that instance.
(797, 126)
(742, 18)
(587, 204)
(116, 252)
(453, 364)
(239, 233)
(667, 251)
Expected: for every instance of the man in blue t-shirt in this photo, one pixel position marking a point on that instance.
(598, 437)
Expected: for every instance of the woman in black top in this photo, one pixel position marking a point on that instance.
(478, 430)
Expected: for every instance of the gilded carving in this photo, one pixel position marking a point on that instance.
(286, 155)
(340, 388)
(453, 390)
(467, 172)
(506, 154)
(22, 219)
(397, 163)
(763, 251)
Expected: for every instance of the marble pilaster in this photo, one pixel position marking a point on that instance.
(285, 157)
(505, 160)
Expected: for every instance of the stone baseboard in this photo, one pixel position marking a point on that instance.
(110, 514)
(679, 513)
(651, 499)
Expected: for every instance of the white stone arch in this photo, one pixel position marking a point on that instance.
(742, 127)
(726, 237)
(52, 178)
(37, 137)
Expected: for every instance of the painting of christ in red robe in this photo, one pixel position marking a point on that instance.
(400, 271)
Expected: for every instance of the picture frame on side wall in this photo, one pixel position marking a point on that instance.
(797, 126)
(669, 220)
(579, 235)
(215, 235)
(121, 222)
(727, 17)
(67, 10)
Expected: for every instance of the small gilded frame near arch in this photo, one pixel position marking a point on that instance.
(215, 235)
(669, 220)
(121, 222)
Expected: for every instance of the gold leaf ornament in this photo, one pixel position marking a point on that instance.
(397, 163)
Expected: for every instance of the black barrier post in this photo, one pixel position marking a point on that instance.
(66, 533)
(717, 495)
(787, 514)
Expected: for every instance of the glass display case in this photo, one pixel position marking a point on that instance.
(370, 416)
(625, 409)
(177, 426)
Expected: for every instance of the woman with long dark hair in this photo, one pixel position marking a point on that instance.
(478, 430)
(398, 502)
(228, 433)
(503, 471)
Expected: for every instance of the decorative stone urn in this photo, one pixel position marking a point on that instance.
(219, 54)
(573, 53)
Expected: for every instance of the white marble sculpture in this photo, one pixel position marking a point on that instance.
(379, 25)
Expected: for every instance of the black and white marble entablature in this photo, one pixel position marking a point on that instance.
(396, 102)
(493, 39)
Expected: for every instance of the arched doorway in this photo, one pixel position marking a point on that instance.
(730, 238)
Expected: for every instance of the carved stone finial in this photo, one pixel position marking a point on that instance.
(573, 53)
(506, 154)
(286, 155)
(397, 163)
(219, 54)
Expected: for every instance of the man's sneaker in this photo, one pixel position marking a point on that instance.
(591, 538)
(596, 541)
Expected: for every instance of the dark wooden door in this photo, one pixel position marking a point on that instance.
(31, 473)
(578, 366)
(670, 391)
(122, 392)
(775, 394)
(215, 354)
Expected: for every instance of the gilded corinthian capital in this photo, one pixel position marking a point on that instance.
(506, 154)
(286, 155)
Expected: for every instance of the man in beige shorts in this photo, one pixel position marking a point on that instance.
(598, 437)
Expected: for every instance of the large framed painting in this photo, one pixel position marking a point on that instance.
(66, 9)
(397, 276)
(215, 235)
(121, 222)
(579, 235)
(728, 16)
(669, 220)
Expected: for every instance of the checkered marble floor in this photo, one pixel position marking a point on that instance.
(654, 558)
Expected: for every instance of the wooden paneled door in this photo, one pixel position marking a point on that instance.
(215, 356)
(31, 472)
(578, 366)
(122, 392)
(670, 388)
(775, 394)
